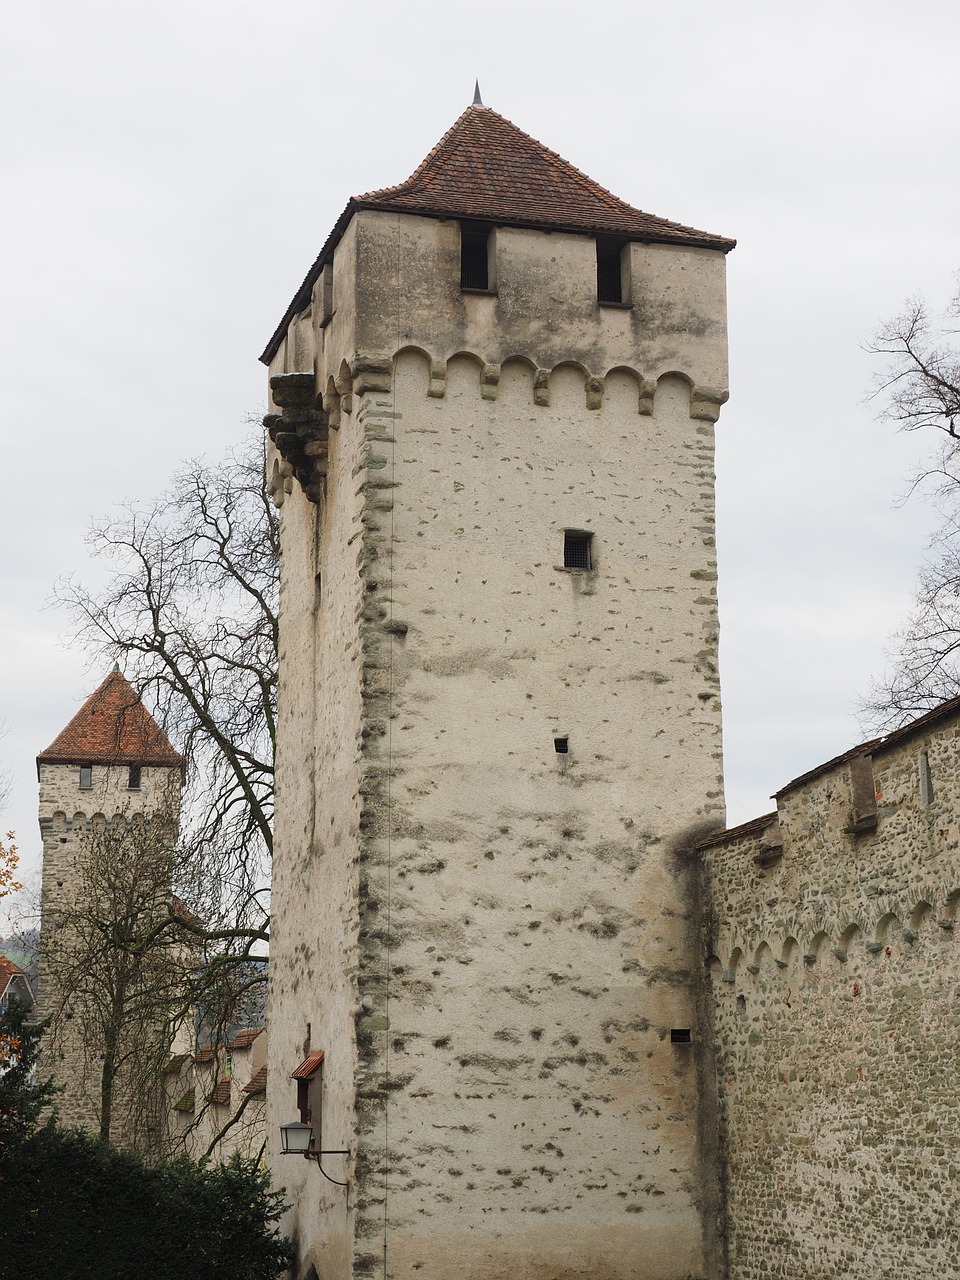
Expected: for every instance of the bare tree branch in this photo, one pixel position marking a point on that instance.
(920, 388)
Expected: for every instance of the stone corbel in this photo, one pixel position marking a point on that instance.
(344, 386)
(331, 406)
(648, 391)
(438, 379)
(489, 381)
(594, 390)
(705, 402)
(541, 387)
(280, 482)
(300, 430)
(372, 373)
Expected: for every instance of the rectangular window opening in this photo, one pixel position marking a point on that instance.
(86, 777)
(612, 267)
(561, 746)
(926, 780)
(680, 1035)
(133, 778)
(475, 242)
(325, 293)
(576, 549)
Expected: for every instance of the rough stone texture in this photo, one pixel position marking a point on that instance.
(490, 941)
(67, 814)
(835, 974)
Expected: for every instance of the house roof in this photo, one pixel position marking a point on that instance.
(245, 1038)
(7, 970)
(220, 1096)
(112, 727)
(485, 168)
(258, 1082)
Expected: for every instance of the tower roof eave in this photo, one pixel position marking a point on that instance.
(485, 168)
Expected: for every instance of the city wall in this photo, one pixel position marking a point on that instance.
(835, 975)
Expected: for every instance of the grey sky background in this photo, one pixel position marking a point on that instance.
(170, 173)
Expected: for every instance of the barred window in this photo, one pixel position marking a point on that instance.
(576, 549)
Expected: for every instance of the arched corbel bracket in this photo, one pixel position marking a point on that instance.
(300, 430)
(489, 381)
(705, 402)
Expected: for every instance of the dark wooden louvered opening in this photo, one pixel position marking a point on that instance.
(680, 1035)
(475, 255)
(609, 270)
(133, 777)
(561, 746)
(576, 549)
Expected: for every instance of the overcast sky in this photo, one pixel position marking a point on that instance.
(170, 172)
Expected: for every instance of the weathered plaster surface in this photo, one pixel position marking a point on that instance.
(492, 942)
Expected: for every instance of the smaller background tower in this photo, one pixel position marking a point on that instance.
(109, 814)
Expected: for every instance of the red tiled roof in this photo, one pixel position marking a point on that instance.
(7, 970)
(220, 1097)
(112, 727)
(245, 1038)
(258, 1083)
(487, 169)
(484, 167)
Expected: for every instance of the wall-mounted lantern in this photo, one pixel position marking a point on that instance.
(297, 1138)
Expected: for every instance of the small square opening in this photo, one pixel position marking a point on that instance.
(561, 746)
(576, 549)
(680, 1035)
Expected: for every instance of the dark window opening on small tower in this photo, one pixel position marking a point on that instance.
(133, 778)
(561, 746)
(475, 255)
(86, 777)
(680, 1035)
(610, 270)
(576, 549)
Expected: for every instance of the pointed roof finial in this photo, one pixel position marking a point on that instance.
(477, 100)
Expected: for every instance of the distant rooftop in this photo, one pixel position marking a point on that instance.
(112, 727)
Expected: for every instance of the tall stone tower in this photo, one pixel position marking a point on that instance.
(499, 724)
(109, 808)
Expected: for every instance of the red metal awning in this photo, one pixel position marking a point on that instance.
(309, 1067)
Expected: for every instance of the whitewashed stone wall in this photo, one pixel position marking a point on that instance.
(492, 942)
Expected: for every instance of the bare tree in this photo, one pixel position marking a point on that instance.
(919, 388)
(190, 614)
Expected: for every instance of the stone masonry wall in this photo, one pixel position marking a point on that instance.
(72, 1052)
(836, 974)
